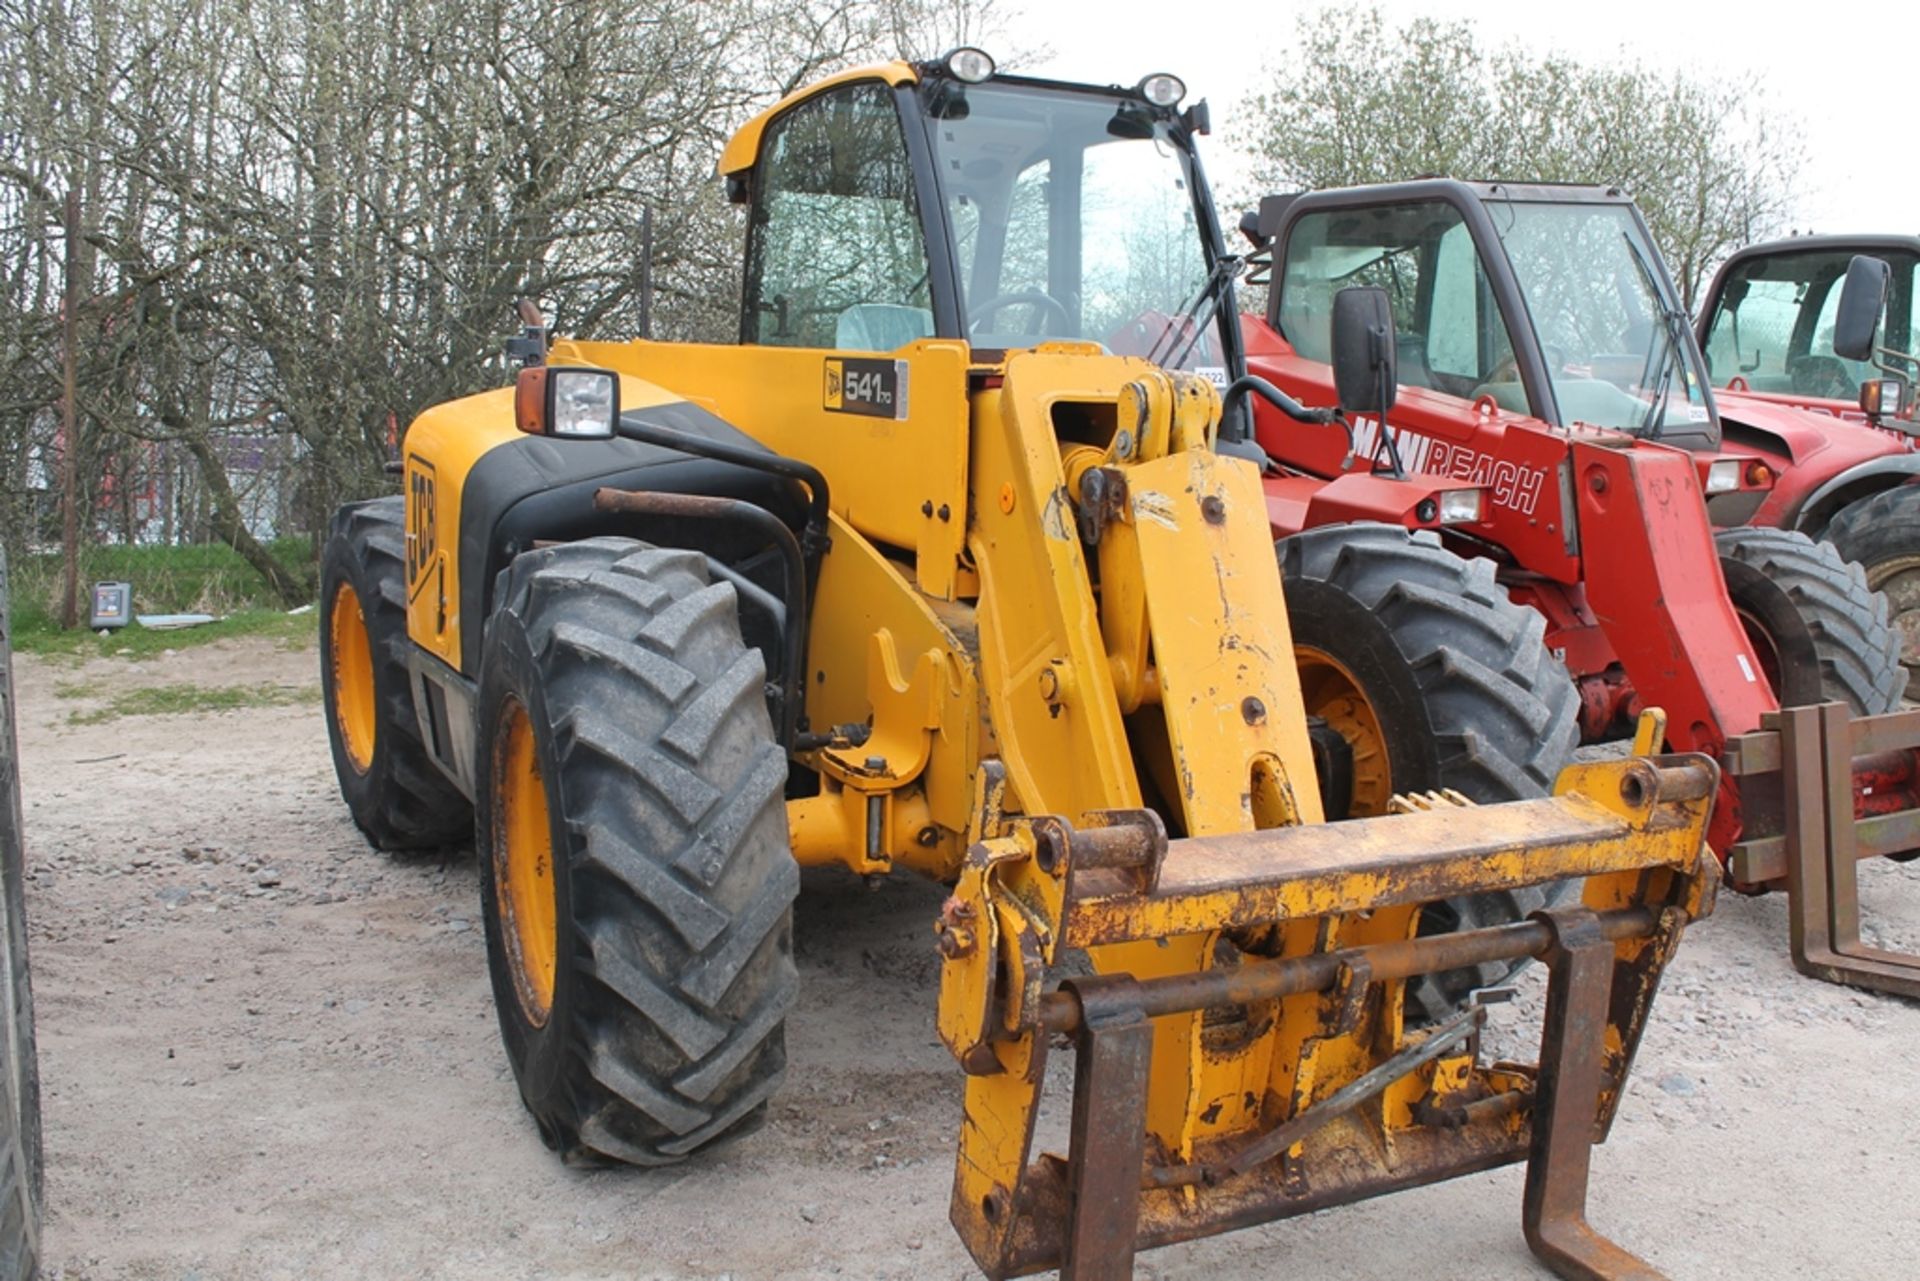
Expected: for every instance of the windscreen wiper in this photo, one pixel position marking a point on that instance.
(1197, 314)
(1671, 323)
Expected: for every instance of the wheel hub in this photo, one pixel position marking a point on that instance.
(1899, 578)
(523, 865)
(1332, 692)
(1765, 648)
(352, 658)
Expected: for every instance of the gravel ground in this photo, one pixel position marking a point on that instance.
(268, 1052)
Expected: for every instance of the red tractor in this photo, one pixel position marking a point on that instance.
(1767, 329)
(1552, 436)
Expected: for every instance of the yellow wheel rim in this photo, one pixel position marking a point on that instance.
(1330, 691)
(353, 700)
(1899, 578)
(523, 864)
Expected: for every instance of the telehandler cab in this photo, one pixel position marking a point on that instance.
(1552, 427)
(905, 580)
(1768, 330)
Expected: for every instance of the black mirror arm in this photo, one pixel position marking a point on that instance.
(1395, 468)
(1254, 385)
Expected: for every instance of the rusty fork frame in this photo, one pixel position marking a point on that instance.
(1096, 1202)
(1161, 1152)
(1836, 778)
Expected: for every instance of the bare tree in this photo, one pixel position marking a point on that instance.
(1710, 170)
(306, 222)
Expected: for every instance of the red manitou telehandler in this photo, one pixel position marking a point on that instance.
(1539, 487)
(1844, 472)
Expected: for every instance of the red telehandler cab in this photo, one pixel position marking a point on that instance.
(1550, 427)
(1844, 470)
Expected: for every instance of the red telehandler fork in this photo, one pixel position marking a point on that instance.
(1549, 416)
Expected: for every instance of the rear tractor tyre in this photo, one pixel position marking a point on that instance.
(636, 878)
(1792, 593)
(398, 797)
(1881, 534)
(1436, 679)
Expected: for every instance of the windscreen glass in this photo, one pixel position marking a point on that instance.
(1772, 323)
(1074, 217)
(1447, 326)
(1618, 347)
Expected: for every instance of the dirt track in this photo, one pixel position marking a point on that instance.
(268, 1052)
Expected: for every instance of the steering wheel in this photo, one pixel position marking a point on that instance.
(1820, 376)
(1040, 300)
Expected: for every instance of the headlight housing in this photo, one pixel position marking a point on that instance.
(1723, 476)
(1462, 506)
(569, 402)
(1163, 90)
(1882, 397)
(969, 65)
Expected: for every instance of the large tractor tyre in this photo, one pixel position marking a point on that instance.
(637, 881)
(1796, 596)
(397, 795)
(1436, 679)
(1881, 534)
(20, 1158)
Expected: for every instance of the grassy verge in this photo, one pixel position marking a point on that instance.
(166, 580)
(184, 700)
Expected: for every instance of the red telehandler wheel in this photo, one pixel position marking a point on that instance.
(1435, 679)
(1834, 600)
(1882, 535)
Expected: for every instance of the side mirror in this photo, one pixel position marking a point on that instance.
(1365, 369)
(1862, 299)
(1250, 228)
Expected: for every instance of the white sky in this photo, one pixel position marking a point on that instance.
(1815, 62)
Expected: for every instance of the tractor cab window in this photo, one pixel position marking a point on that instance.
(835, 254)
(1772, 323)
(1073, 216)
(1750, 339)
(1617, 345)
(1447, 326)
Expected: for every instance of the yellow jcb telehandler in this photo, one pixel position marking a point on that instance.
(893, 583)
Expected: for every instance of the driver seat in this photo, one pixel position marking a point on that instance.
(881, 326)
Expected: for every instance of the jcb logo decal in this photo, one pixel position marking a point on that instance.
(872, 388)
(423, 536)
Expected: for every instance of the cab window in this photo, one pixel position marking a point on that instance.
(1772, 323)
(836, 257)
(1750, 339)
(1073, 217)
(1449, 331)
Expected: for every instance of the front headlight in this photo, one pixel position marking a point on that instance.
(585, 403)
(1462, 506)
(970, 65)
(1723, 476)
(1880, 397)
(577, 403)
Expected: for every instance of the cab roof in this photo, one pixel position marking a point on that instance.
(744, 147)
